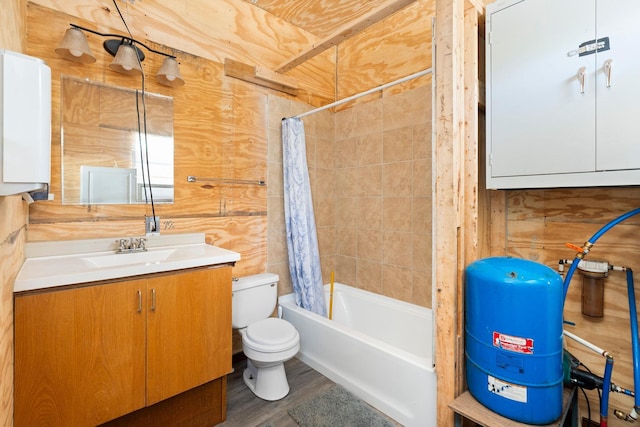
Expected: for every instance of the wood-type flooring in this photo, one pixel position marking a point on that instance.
(244, 409)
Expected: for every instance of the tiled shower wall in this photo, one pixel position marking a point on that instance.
(370, 171)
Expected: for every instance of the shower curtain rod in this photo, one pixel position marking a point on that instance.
(366, 92)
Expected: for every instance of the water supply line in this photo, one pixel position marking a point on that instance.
(582, 252)
(635, 346)
(606, 385)
(586, 248)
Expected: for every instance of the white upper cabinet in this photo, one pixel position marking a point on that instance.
(563, 88)
(25, 123)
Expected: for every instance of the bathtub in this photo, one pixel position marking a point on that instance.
(378, 348)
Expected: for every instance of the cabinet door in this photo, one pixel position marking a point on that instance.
(79, 355)
(538, 119)
(618, 125)
(189, 331)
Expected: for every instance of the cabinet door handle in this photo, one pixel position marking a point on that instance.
(582, 76)
(608, 65)
(139, 301)
(153, 299)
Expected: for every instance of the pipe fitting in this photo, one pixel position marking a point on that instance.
(622, 416)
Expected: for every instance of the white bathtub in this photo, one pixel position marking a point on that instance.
(377, 347)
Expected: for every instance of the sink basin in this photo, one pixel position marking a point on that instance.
(70, 262)
(116, 260)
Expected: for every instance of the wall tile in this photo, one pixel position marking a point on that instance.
(370, 149)
(369, 181)
(325, 153)
(347, 241)
(397, 248)
(325, 211)
(398, 110)
(369, 276)
(398, 144)
(422, 288)
(345, 270)
(397, 282)
(345, 124)
(371, 170)
(397, 179)
(346, 152)
(422, 255)
(369, 245)
(396, 214)
(422, 218)
(369, 117)
(347, 212)
(347, 182)
(422, 178)
(370, 215)
(327, 241)
(326, 125)
(422, 141)
(326, 185)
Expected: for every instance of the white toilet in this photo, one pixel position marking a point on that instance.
(267, 341)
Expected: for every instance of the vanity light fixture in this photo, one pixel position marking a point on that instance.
(128, 56)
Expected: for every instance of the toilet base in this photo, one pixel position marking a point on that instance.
(268, 383)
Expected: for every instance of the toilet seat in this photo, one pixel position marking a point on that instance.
(270, 335)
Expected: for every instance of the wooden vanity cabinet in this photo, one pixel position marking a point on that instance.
(87, 355)
(188, 331)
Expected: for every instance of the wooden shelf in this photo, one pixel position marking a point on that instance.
(468, 407)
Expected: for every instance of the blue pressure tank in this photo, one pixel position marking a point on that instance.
(513, 338)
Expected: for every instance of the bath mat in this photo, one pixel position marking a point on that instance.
(337, 407)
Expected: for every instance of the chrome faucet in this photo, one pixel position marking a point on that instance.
(131, 245)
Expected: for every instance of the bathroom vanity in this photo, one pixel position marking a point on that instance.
(131, 339)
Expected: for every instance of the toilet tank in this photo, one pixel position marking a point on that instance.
(254, 298)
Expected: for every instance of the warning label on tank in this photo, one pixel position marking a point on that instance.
(507, 390)
(512, 343)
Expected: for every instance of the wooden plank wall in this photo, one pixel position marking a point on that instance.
(13, 224)
(212, 31)
(219, 131)
(388, 50)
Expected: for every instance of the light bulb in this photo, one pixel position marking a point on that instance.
(75, 52)
(170, 77)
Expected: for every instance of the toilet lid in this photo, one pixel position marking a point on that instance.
(271, 331)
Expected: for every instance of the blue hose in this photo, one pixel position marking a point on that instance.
(606, 386)
(592, 241)
(635, 345)
(604, 406)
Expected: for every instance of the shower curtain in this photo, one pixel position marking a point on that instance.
(302, 240)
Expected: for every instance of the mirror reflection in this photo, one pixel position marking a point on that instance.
(117, 148)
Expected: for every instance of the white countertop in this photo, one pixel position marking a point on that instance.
(60, 263)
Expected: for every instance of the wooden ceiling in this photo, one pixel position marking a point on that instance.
(318, 17)
(332, 21)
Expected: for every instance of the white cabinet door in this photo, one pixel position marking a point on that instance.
(618, 106)
(539, 120)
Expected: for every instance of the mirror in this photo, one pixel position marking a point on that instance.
(105, 159)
